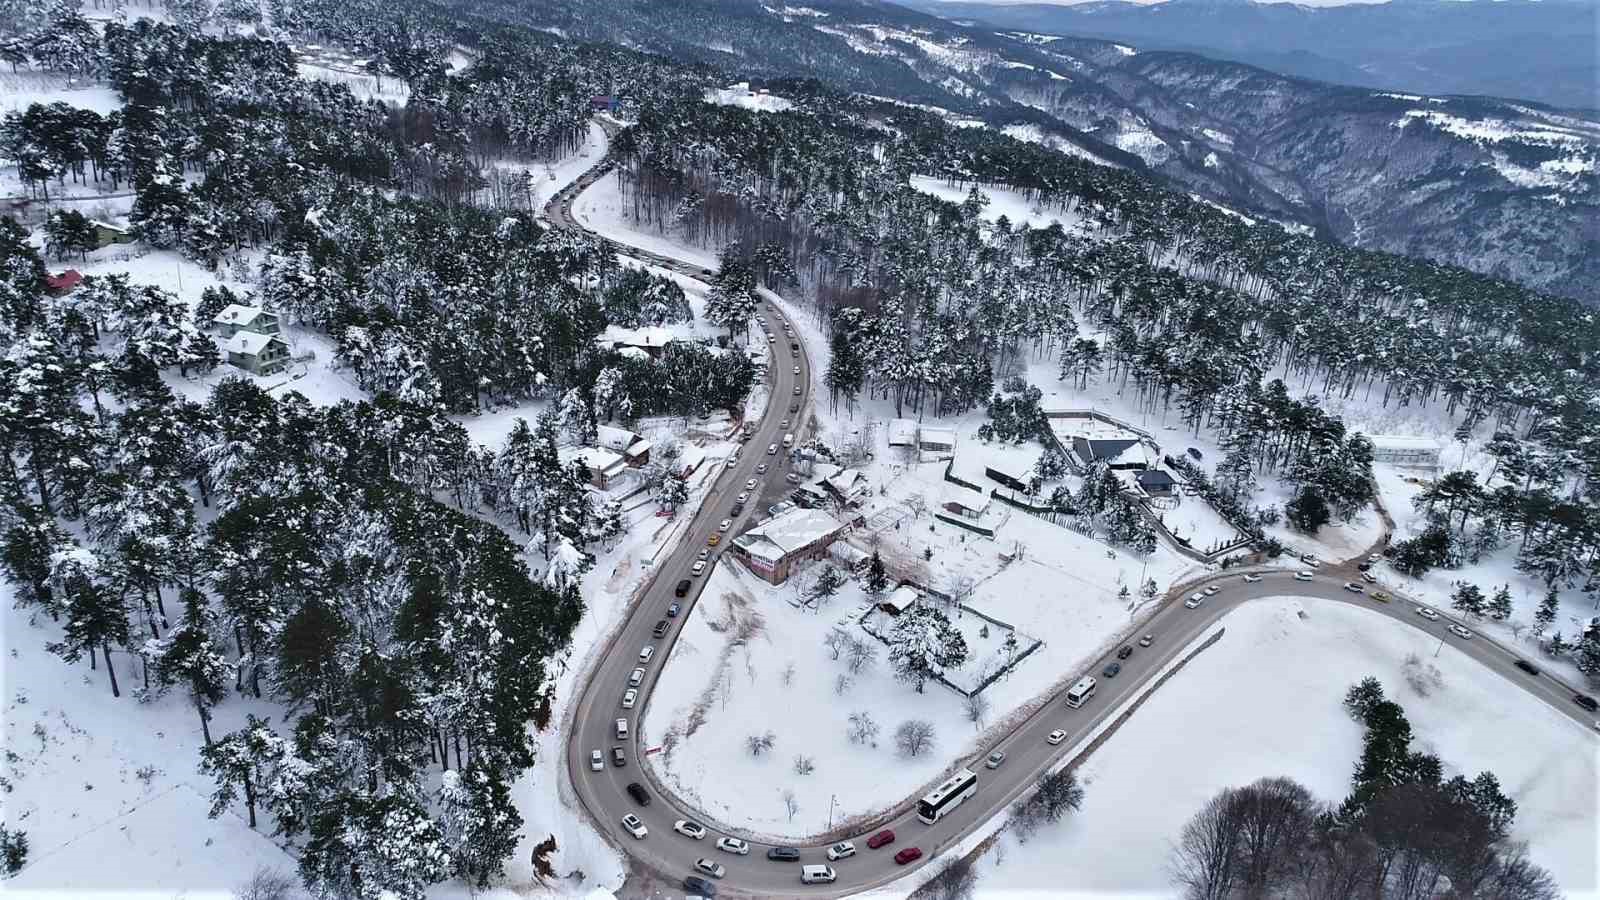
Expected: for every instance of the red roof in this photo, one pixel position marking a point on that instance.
(63, 282)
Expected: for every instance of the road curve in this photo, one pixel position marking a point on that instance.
(604, 795)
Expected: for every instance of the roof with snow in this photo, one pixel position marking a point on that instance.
(1403, 442)
(963, 497)
(1126, 450)
(250, 343)
(902, 432)
(900, 599)
(237, 314)
(1155, 478)
(621, 440)
(598, 459)
(649, 336)
(943, 437)
(787, 532)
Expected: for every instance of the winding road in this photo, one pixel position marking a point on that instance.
(604, 793)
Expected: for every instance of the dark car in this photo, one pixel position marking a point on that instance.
(882, 838)
(1111, 670)
(1585, 701)
(1125, 652)
(908, 855)
(794, 345)
(618, 758)
(672, 610)
(794, 407)
(639, 794)
(694, 884)
(683, 589)
(661, 628)
(1526, 666)
(783, 854)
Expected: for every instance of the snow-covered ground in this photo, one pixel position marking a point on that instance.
(1002, 202)
(601, 208)
(742, 96)
(1265, 701)
(565, 170)
(387, 88)
(24, 88)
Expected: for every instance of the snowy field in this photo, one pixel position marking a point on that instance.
(601, 208)
(747, 99)
(1209, 728)
(21, 89)
(1003, 202)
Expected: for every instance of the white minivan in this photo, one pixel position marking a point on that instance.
(622, 729)
(817, 874)
(788, 440)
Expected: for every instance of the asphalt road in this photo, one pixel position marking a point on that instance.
(603, 793)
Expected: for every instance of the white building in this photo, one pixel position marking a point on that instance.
(1402, 450)
(773, 548)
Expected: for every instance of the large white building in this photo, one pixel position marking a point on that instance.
(774, 547)
(1402, 450)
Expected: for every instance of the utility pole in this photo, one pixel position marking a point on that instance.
(832, 799)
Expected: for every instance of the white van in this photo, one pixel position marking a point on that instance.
(788, 440)
(622, 729)
(817, 874)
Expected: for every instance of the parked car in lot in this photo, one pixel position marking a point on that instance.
(1526, 666)
(694, 884)
(841, 850)
(995, 759)
(689, 828)
(783, 854)
(1147, 640)
(881, 839)
(1111, 670)
(1427, 613)
(1460, 632)
(908, 855)
(733, 845)
(1252, 578)
(635, 826)
(1055, 737)
(1194, 601)
(638, 793)
(710, 867)
(1125, 652)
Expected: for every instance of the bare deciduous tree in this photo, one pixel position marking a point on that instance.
(842, 684)
(758, 744)
(790, 804)
(1203, 860)
(860, 655)
(863, 728)
(804, 765)
(977, 709)
(914, 737)
(836, 641)
(268, 884)
(955, 880)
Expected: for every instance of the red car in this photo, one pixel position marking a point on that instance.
(881, 839)
(908, 855)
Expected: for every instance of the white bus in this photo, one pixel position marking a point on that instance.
(1080, 693)
(947, 796)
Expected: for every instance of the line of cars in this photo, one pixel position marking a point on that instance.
(810, 873)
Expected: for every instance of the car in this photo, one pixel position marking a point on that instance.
(751, 484)
(635, 826)
(629, 698)
(733, 845)
(1526, 666)
(995, 759)
(618, 758)
(1364, 567)
(761, 469)
(1194, 601)
(638, 793)
(1055, 737)
(794, 345)
(1460, 632)
(794, 406)
(772, 449)
(733, 461)
(714, 539)
(1302, 576)
(661, 626)
(783, 854)
(1125, 652)
(1585, 701)
(908, 855)
(1310, 560)
(1354, 588)
(710, 867)
(1380, 596)
(705, 554)
(817, 874)
(725, 524)
(699, 567)
(636, 678)
(1147, 640)
(797, 390)
(689, 828)
(739, 501)
(841, 850)
(1211, 590)
(1111, 670)
(1427, 613)
(881, 839)
(797, 370)
(1369, 578)
(1252, 579)
(645, 653)
(694, 884)
(673, 609)
(682, 589)
(1374, 558)
(596, 761)
(792, 478)
(622, 729)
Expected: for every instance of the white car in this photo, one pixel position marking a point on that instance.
(705, 554)
(761, 469)
(1354, 588)
(1310, 560)
(699, 567)
(690, 829)
(1302, 576)
(1369, 578)
(1251, 579)
(1212, 590)
(1374, 558)
(797, 370)
(635, 826)
(751, 484)
(995, 759)
(1195, 601)
(629, 698)
(1055, 737)
(743, 496)
(1460, 632)
(784, 424)
(710, 867)
(733, 461)
(1427, 613)
(771, 339)
(636, 678)
(797, 390)
(771, 449)
(725, 524)
(841, 850)
(596, 761)
(733, 845)
(646, 653)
